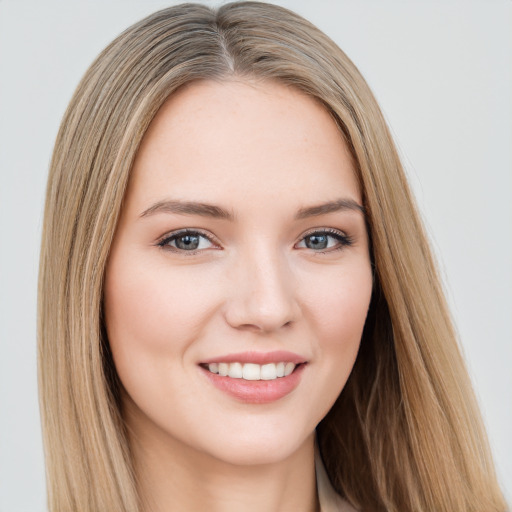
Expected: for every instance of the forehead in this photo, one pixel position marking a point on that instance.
(217, 141)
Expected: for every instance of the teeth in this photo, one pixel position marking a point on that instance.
(288, 369)
(252, 371)
(223, 369)
(269, 372)
(235, 371)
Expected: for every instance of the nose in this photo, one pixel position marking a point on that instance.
(263, 293)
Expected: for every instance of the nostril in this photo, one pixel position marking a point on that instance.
(261, 309)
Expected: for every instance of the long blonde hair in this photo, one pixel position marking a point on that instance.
(405, 433)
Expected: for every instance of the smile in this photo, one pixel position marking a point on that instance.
(252, 371)
(255, 377)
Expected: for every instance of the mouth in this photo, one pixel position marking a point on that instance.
(255, 378)
(252, 371)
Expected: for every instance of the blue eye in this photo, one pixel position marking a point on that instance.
(324, 241)
(186, 241)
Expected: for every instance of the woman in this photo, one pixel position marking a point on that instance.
(231, 262)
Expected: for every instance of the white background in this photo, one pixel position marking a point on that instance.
(442, 71)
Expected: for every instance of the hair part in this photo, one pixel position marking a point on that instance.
(405, 433)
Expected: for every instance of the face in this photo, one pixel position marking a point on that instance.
(239, 279)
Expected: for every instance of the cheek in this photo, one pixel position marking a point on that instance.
(152, 317)
(341, 306)
(338, 315)
(152, 306)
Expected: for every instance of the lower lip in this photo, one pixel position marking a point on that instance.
(256, 391)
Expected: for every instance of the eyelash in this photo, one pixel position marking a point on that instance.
(343, 240)
(167, 239)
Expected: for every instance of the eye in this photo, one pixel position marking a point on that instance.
(187, 241)
(324, 241)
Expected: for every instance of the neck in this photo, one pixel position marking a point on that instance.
(173, 476)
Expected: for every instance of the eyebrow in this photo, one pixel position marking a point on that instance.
(188, 208)
(216, 212)
(339, 205)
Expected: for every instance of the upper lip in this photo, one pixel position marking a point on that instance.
(277, 356)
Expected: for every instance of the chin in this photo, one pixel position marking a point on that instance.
(268, 446)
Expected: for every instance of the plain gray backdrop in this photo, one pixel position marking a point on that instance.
(442, 72)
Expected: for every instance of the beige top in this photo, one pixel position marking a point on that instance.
(330, 500)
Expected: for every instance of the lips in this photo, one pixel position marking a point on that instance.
(276, 356)
(255, 377)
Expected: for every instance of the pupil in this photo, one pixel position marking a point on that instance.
(316, 241)
(187, 242)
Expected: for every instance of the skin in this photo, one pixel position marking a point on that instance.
(262, 152)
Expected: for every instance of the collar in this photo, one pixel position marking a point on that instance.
(330, 500)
